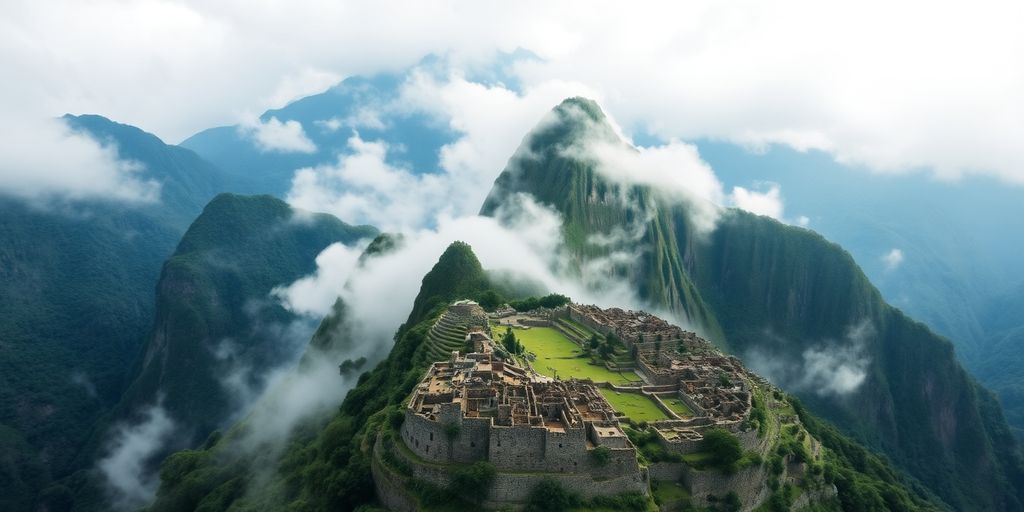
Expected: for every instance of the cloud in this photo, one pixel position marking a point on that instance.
(364, 117)
(275, 136)
(80, 378)
(803, 221)
(362, 187)
(126, 467)
(826, 368)
(892, 259)
(768, 203)
(44, 159)
(682, 70)
(315, 294)
(378, 294)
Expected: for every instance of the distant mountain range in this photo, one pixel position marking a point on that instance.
(85, 342)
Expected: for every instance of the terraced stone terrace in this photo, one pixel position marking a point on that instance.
(449, 333)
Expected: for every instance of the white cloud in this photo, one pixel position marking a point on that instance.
(276, 136)
(125, 467)
(899, 100)
(803, 221)
(828, 368)
(892, 259)
(379, 296)
(301, 84)
(315, 294)
(767, 203)
(363, 188)
(43, 159)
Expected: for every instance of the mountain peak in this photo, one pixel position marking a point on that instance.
(456, 275)
(579, 104)
(569, 123)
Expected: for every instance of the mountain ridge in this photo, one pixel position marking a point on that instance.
(788, 290)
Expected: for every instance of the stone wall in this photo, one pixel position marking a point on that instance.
(520, 446)
(389, 485)
(667, 471)
(750, 484)
(653, 375)
(535, 322)
(429, 439)
(576, 316)
(509, 489)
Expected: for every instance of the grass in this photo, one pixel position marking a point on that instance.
(561, 358)
(678, 406)
(669, 493)
(698, 459)
(635, 406)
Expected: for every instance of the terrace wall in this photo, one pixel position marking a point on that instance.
(535, 322)
(429, 439)
(620, 474)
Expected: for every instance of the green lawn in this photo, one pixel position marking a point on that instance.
(678, 406)
(635, 406)
(557, 356)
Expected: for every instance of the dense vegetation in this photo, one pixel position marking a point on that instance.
(212, 297)
(756, 286)
(327, 466)
(76, 282)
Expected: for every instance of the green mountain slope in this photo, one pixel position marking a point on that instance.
(324, 468)
(214, 314)
(785, 294)
(999, 363)
(328, 468)
(76, 300)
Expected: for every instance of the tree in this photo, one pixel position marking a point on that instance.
(594, 342)
(473, 481)
(601, 455)
(731, 502)
(606, 350)
(511, 344)
(724, 448)
(548, 496)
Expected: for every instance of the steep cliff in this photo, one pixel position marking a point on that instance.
(787, 301)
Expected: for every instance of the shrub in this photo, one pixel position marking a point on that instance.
(731, 502)
(601, 455)
(396, 417)
(724, 448)
(451, 431)
(548, 496)
(473, 480)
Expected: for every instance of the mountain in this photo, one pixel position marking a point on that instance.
(327, 120)
(1000, 361)
(957, 239)
(323, 467)
(328, 467)
(218, 334)
(76, 301)
(789, 303)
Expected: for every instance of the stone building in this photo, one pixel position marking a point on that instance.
(476, 407)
